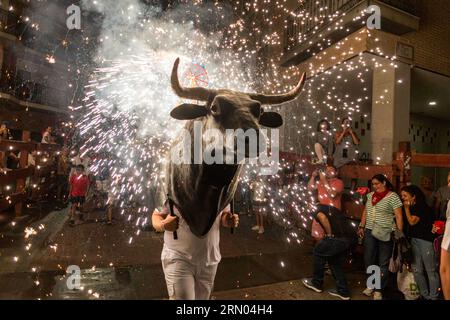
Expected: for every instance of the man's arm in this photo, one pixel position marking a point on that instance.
(312, 185)
(164, 222)
(157, 221)
(362, 224)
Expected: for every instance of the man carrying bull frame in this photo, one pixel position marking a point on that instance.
(189, 262)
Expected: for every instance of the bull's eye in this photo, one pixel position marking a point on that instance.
(256, 110)
(215, 110)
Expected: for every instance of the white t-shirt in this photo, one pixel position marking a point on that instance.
(203, 250)
(446, 240)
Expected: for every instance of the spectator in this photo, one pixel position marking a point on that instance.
(77, 159)
(329, 188)
(333, 247)
(259, 204)
(32, 158)
(381, 215)
(346, 142)
(62, 172)
(419, 218)
(5, 134)
(12, 160)
(442, 198)
(79, 184)
(47, 136)
(445, 258)
(323, 145)
(112, 205)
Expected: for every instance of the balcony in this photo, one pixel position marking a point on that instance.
(30, 91)
(11, 24)
(316, 20)
(15, 27)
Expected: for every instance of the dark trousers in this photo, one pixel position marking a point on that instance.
(333, 250)
(377, 252)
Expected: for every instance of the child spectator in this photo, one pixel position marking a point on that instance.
(79, 184)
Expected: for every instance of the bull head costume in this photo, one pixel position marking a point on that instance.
(201, 191)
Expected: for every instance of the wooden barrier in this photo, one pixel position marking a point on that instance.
(405, 159)
(398, 172)
(18, 177)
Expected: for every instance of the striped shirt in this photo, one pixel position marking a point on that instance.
(383, 211)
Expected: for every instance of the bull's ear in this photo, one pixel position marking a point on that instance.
(188, 111)
(271, 119)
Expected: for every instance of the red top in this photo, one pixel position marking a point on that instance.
(324, 198)
(79, 185)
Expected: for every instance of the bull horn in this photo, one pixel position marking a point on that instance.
(196, 93)
(280, 98)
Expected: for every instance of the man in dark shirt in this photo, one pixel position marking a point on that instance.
(332, 249)
(442, 198)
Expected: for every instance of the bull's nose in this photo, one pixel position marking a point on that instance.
(250, 146)
(219, 155)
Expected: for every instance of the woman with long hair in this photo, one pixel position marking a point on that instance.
(324, 144)
(418, 226)
(381, 216)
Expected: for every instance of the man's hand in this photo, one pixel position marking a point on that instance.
(170, 223)
(315, 173)
(322, 175)
(230, 220)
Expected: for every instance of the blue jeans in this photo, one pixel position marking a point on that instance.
(377, 252)
(333, 250)
(424, 256)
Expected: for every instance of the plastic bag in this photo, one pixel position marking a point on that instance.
(407, 284)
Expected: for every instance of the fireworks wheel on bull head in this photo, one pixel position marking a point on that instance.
(195, 76)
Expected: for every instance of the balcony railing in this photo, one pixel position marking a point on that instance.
(26, 90)
(11, 23)
(314, 14)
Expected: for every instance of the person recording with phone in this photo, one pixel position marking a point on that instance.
(346, 141)
(333, 247)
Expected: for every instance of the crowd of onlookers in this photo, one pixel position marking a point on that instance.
(72, 180)
(403, 234)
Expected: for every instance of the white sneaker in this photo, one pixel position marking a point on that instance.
(261, 230)
(255, 228)
(368, 292)
(377, 296)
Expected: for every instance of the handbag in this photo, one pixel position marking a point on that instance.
(395, 262)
